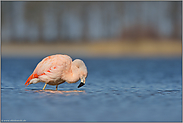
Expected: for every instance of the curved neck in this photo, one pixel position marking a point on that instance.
(73, 75)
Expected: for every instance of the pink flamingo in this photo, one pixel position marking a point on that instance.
(56, 69)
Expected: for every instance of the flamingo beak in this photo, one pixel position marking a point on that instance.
(82, 82)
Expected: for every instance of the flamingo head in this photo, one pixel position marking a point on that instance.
(82, 71)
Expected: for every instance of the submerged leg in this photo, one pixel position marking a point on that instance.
(56, 87)
(44, 86)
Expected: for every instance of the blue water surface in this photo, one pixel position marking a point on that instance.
(121, 89)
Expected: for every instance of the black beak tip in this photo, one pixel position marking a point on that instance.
(81, 84)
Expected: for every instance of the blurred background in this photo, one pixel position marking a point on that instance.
(92, 28)
(132, 51)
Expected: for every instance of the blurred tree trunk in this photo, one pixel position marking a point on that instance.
(85, 21)
(40, 28)
(105, 19)
(58, 10)
(175, 15)
(59, 26)
(35, 12)
(8, 16)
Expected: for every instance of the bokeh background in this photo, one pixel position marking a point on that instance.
(92, 28)
(132, 51)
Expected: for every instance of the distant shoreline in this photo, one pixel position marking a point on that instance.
(113, 48)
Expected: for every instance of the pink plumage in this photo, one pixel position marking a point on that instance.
(57, 69)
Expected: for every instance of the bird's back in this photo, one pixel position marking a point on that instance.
(53, 68)
(52, 62)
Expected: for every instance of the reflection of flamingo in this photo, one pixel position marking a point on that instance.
(67, 93)
(57, 69)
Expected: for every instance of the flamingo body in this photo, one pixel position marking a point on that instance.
(57, 69)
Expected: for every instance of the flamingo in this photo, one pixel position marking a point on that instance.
(56, 69)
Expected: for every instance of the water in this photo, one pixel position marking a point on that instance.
(116, 90)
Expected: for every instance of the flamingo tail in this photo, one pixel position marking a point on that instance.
(32, 76)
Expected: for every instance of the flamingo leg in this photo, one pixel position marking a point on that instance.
(44, 86)
(56, 87)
